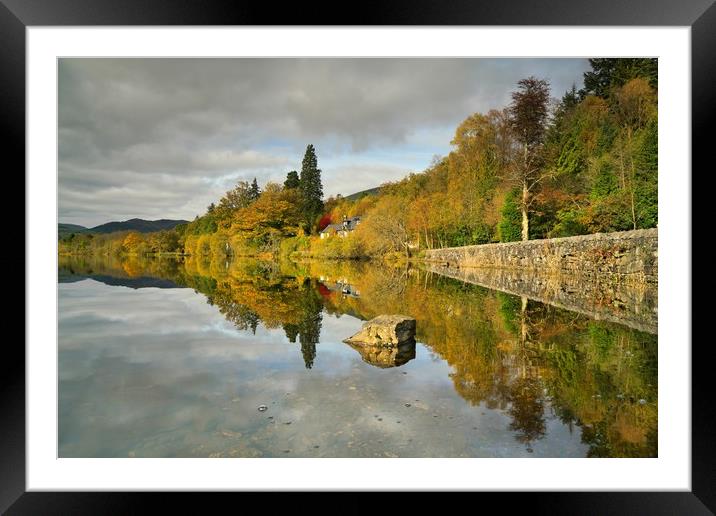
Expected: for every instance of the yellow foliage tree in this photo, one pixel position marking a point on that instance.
(132, 242)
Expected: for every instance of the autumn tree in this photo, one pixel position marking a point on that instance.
(238, 197)
(636, 108)
(483, 145)
(418, 221)
(311, 187)
(132, 242)
(529, 115)
(292, 180)
(275, 215)
(235, 199)
(385, 228)
(164, 241)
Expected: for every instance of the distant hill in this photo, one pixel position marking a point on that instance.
(363, 193)
(66, 229)
(141, 225)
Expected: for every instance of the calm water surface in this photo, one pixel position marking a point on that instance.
(174, 358)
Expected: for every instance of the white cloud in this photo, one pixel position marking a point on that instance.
(126, 124)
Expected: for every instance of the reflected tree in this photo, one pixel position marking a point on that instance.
(291, 331)
(527, 410)
(308, 350)
(309, 327)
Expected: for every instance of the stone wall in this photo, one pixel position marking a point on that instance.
(627, 256)
(610, 276)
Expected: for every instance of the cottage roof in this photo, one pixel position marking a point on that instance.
(333, 227)
(348, 224)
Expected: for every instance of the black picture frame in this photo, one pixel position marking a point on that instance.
(16, 15)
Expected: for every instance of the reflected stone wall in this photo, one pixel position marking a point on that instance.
(610, 276)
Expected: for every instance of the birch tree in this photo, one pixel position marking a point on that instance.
(528, 115)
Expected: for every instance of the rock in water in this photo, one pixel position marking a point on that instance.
(385, 356)
(385, 330)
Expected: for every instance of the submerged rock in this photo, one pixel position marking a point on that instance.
(385, 356)
(385, 330)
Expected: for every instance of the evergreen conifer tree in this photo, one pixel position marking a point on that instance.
(311, 187)
(292, 180)
(254, 192)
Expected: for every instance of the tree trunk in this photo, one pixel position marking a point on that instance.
(632, 180)
(621, 164)
(525, 218)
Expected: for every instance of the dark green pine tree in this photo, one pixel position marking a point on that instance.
(608, 73)
(254, 191)
(292, 180)
(311, 187)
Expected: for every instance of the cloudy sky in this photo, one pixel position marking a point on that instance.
(162, 138)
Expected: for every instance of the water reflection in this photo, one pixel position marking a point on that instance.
(390, 356)
(537, 365)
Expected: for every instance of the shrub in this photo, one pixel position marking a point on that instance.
(510, 227)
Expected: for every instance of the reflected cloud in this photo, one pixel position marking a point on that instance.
(167, 372)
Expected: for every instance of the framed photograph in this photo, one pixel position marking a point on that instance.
(439, 250)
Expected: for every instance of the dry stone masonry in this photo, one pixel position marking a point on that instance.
(610, 276)
(626, 255)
